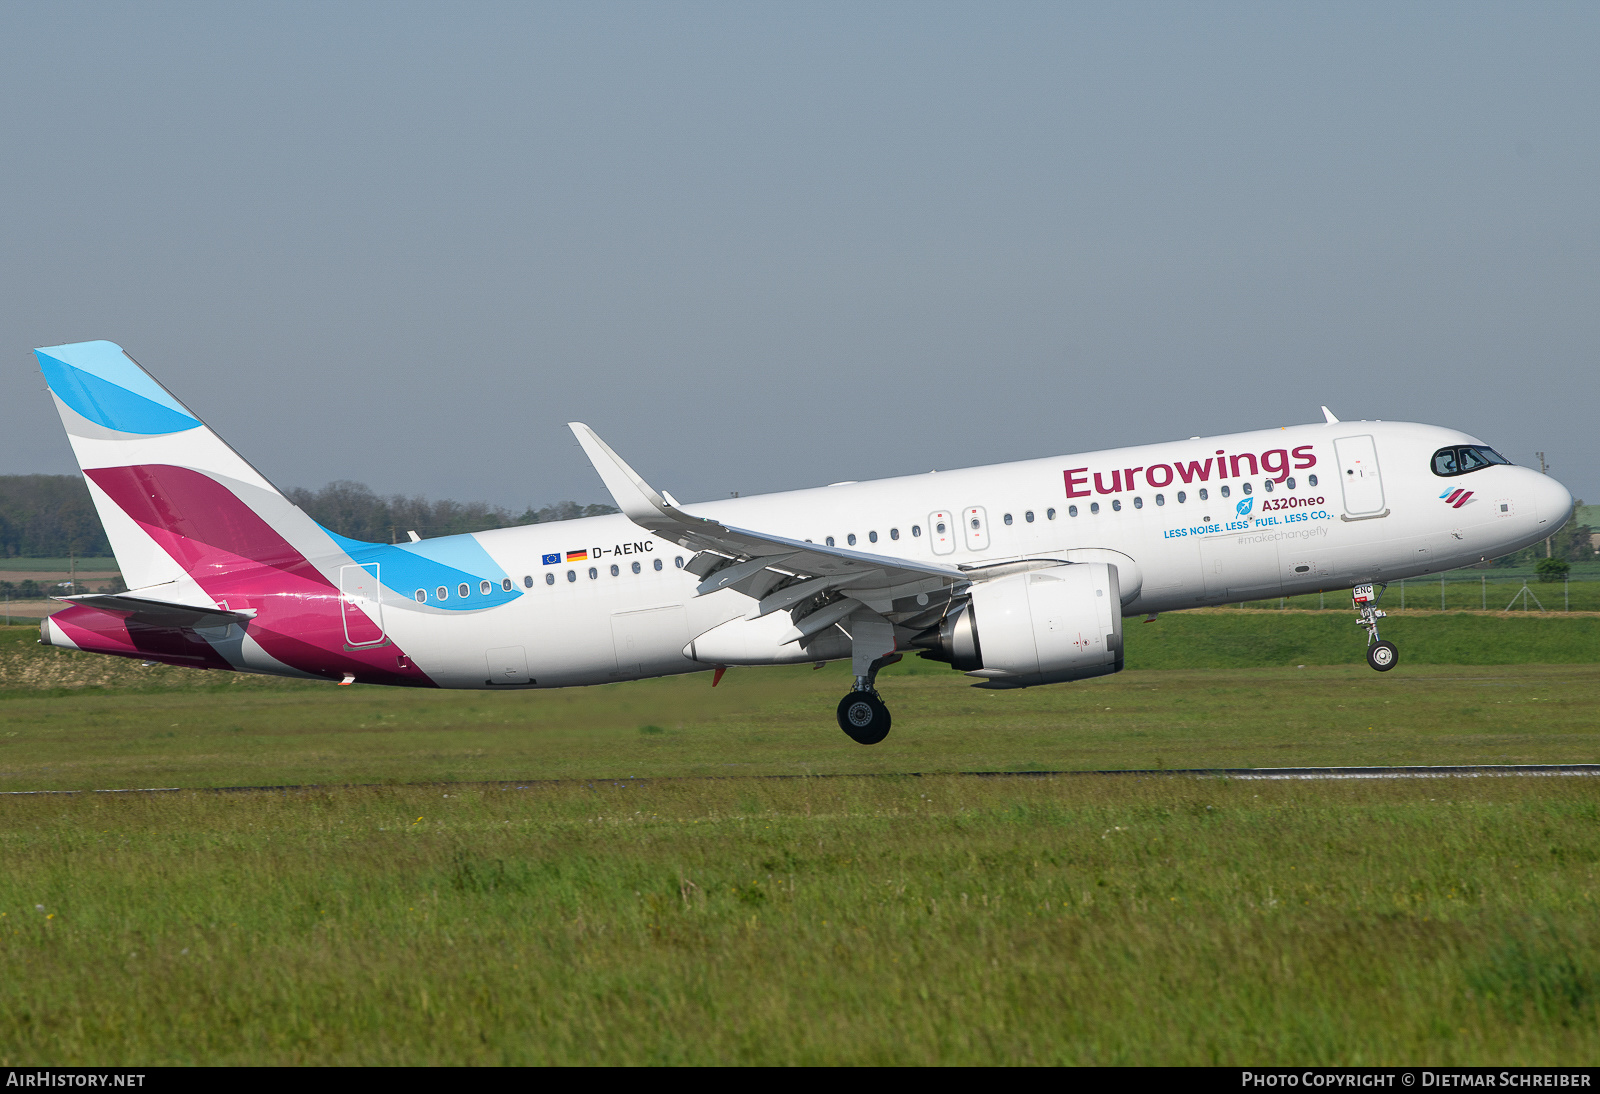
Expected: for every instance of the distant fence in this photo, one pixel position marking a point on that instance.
(1491, 590)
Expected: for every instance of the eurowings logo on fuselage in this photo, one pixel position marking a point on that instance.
(1456, 498)
(1244, 507)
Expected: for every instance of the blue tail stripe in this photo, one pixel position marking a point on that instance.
(99, 382)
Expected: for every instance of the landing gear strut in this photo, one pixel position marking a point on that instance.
(862, 714)
(1381, 654)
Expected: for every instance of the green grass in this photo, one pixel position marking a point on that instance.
(115, 724)
(50, 565)
(1246, 639)
(941, 919)
(896, 921)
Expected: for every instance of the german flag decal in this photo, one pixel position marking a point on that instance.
(577, 556)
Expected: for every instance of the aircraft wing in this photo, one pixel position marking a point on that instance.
(754, 553)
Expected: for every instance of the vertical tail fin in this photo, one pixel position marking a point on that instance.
(175, 499)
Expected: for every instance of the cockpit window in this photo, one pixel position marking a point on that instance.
(1465, 459)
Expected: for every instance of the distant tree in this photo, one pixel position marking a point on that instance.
(49, 516)
(352, 509)
(1552, 569)
(1573, 542)
(52, 516)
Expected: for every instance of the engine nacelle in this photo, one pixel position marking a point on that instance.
(1040, 627)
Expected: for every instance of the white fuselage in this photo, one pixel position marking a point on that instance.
(595, 620)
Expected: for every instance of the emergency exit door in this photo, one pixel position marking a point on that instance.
(1358, 473)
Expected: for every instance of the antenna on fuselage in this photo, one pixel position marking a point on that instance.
(1328, 417)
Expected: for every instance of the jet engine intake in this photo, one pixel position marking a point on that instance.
(1041, 627)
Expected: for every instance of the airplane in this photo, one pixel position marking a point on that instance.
(1017, 574)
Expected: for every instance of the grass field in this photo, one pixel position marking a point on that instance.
(935, 919)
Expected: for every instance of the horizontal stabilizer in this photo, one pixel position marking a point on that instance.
(161, 613)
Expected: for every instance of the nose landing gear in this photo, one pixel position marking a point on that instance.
(1381, 654)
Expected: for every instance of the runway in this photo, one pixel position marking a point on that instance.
(1460, 771)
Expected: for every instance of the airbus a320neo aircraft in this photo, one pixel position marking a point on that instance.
(1017, 574)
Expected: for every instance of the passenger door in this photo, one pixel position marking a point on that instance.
(1358, 472)
(941, 533)
(361, 605)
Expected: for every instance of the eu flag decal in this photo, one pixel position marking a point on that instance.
(552, 560)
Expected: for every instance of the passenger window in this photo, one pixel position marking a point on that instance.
(828, 541)
(442, 593)
(894, 533)
(1246, 489)
(658, 564)
(635, 567)
(1006, 518)
(872, 537)
(572, 575)
(678, 562)
(1267, 486)
(422, 596)
(549, 578)
(1225, 491)
(1094, 507)
(615, 570)
(1311, 480)
(1204, 494)
(1072, 510)
(1050, 514)
(1182, 497)
(1116, 505)
(1028, 516)
(465, 589)
(593, 573)
(850, 539)
(484, 587)
(1161, 499)
(916, 530)
(527, 582)
(1289, 482)
(1138, 503)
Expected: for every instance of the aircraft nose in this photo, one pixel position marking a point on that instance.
(1552, 502)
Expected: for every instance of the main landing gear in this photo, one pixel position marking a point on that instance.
(862, 714)
(1381, 654)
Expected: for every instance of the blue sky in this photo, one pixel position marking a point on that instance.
(767, 246)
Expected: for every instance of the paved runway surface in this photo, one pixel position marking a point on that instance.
(1469, 771)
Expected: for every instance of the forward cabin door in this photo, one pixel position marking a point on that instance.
(360, 605)
(1358, 471)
